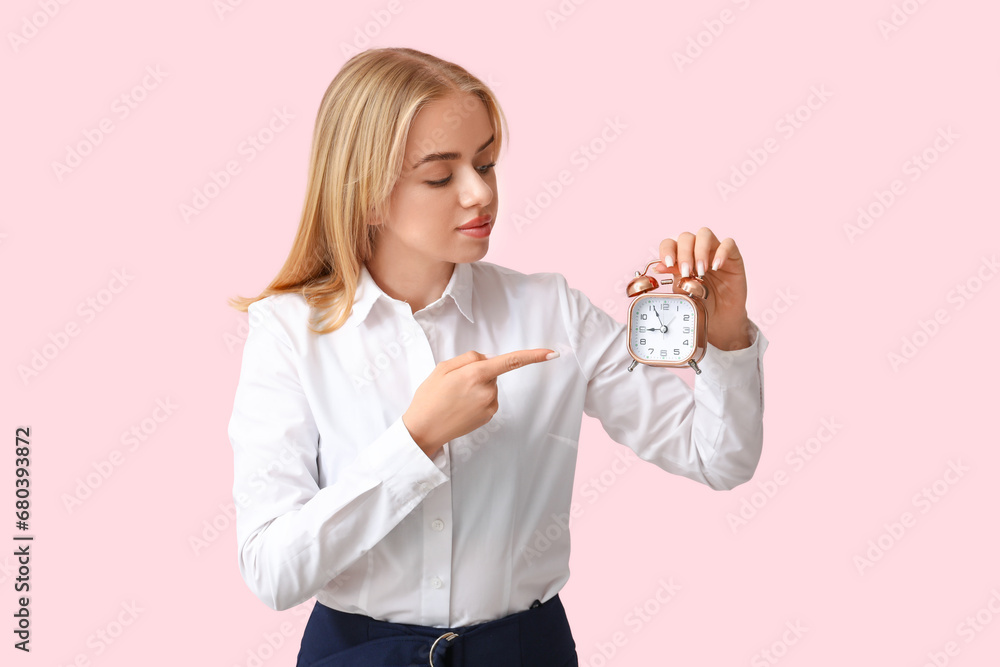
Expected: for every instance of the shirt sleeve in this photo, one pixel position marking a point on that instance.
(712, 433)
(294, 537)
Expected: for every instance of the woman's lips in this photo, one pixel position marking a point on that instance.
(477, 222)
(479, 232)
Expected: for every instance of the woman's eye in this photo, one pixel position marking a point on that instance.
(444, 181)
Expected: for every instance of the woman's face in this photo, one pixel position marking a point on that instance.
(447, 180)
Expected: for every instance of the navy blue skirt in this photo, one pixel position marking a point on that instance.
(536, 637)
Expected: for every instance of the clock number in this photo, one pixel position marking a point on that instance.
(642, 315)
(677, 352)
(642, 341)
(687, 317)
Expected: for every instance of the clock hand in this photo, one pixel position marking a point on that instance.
(657, 315)
(663, 326)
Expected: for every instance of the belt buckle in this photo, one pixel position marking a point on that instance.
(448, 636)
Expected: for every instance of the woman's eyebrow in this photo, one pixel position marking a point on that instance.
(433, 157)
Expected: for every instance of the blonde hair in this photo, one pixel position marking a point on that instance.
(357, 155)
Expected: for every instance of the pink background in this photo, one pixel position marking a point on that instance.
(834, 307)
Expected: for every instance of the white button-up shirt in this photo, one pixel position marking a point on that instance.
(335, 500)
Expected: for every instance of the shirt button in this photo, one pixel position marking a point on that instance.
(422, 486)
(436, 583)
(437, 524)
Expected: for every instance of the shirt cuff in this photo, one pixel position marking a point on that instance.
(735, 368)
(396, 459)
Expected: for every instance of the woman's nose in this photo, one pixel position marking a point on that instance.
(476, 191)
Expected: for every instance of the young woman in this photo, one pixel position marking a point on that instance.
(406, 422)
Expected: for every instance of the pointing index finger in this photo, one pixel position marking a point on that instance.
(503, 363)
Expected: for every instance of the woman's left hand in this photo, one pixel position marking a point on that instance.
(720, 265)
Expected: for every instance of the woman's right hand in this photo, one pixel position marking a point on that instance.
(460, 395)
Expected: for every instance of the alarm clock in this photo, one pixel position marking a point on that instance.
(666, 328)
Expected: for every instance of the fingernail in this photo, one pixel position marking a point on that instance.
(668, 260)
(701, 269)
(489, 356)
(715, 264)
(685, 269)
(551, 355)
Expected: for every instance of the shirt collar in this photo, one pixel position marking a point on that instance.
(459, 288)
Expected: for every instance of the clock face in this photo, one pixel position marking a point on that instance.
(663, 328)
